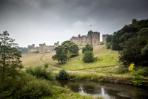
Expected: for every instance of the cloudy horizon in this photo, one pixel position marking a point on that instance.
(49, 21)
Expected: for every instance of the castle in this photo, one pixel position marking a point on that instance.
(42, 48)
(92, 38)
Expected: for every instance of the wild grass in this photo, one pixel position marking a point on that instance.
(107, 61)
(64, 93)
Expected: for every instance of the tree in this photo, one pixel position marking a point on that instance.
(71, 48)
(87, 48)
(88, 54)
(109, 41)
(63, 75)
(88, 57)
(66, 51)
(61, 55)
(10, 63)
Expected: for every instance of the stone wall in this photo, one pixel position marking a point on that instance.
(42, 48)
(92, 38)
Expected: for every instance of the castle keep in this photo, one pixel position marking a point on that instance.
(92, 38)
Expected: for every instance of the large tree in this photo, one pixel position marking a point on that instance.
(87, 48)
(71, 48)
(9, 57)
(66, 51)
(60, 55)
(132, 42)
(88, 55)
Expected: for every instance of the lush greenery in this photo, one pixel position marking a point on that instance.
(40, 72)
(88, 54)
(71, 48)
(132, 42)
(39, 80)
(66, 51)
(61, 55)
(63, 75)
(87, 48)
(10, 63)
(14, 83)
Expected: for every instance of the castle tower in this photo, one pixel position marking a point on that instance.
(92, 38)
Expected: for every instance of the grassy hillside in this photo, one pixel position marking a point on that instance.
(105, 58)
(37, 59)
(107, 61)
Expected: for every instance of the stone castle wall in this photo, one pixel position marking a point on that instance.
(42, 48)
(92, 38)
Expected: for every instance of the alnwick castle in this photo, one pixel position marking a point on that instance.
(92, 38)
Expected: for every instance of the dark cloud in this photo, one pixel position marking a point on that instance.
(67, 16)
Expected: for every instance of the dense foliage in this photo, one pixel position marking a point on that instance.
(88, 54)
(9, 57)
(132, 42)
(63, 75)
(71, 48)
(40, 72)
(66, 51)
(61, 55)
(14, 84)
(87, 48)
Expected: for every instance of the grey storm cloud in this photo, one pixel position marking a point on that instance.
(53, 20)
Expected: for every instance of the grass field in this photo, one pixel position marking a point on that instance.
(107, 61)
(37, 59)
(104, 69)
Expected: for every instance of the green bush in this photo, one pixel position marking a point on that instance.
(36, 89)
(108, 45)
(63, 75)
(137, 79)
(25, 86)
(143, 71)
(87, 48)
(88, 57)
(40, 72)
(122, 69)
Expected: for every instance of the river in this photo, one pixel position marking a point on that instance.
(107, 90)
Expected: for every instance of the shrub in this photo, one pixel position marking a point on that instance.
(25, 87)
(143, 71)
(121, 69)
(137, 79)
(40, 72)
(36, 89)
(87, 48)
(61, 55)
(88, 57)
(63, 75)
(138, 75)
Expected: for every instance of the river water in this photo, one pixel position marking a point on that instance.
(106, 90)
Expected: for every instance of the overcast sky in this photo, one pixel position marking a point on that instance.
(39, 21)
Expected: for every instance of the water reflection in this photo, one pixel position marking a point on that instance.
(108, 91)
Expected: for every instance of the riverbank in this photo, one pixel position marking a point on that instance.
(125, 79)
(107, 68)
(109, 78)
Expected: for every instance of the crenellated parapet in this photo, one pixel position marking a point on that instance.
(92, 38)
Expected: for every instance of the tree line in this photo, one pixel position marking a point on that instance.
(69, 50)
(132, 43)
